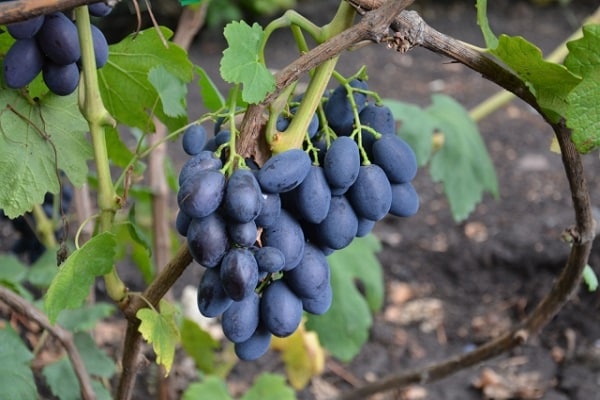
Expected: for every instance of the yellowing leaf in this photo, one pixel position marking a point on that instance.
(160, 330)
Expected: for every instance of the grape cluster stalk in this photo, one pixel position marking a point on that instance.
(264, 233)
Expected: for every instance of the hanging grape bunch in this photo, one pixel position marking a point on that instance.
(49, 44)
(263, 234)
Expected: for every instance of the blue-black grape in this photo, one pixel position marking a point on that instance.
(271, 208)
(182, 223)
(312, 196)
(22, 63)
(284, 171)
(255, 346)
(201, 195)
(242, 233)
(241, 319)
(61, 79)
(222, 137)
(200, 162)
(405, 200)
(319, 304)
(212, 299)
(338, 109)
(99, 9)
(269, 259)
(286, 235)
(58, 39)
(25, 29)
(371, 194)
(340, 226)
(280, 309)
(193, 139)
(365, 226)
(311, 276)
(239, 273)
(341, 164)
(396, 158)
(207, 240)
(243, 197)
(378, 117)
(100, 46)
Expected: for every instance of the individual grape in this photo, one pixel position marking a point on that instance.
(207, 240)
(339, 228)
(100, 9)
(100, 46)
(338, 109)
(405, 200)
(202, 195)
(269, 259)
(194, 139)
(241, 319)
(218, 124)
(212, 299)
(270, 211)
(222, 138)
(25, 29)
(239, 273)
(280, 309)
(58, 39)
(284, 171)
(310, 276)
(200, 162)
(371, 194)
(341, 164)
(287, 236)
(242, 234)
(396, 158)
(22, 63)
(378, 117)
(61, 79)
(255, 346)
(319, 304)
(211, 145)
(312, 196)
(365, 226)
(182, 223)
(243, 197)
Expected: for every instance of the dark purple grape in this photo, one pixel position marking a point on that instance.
(286, 235)
(310, 277)
(239, 273)
(338, 109)
(99, 9)
(341, 164)
(100, 47)
(242, 233)
(280, 309)
(243, 197)
(371, 194)
(365, 226)
(269, 259)
(312, 196)
(200, 162)
(255, 346)
(381, 119)
(222, 138)
(22, 63)
(58, 39)
(320, 303)
(284, 171)
(405, 200)
(339, 228)
(194, 139)
(396, 158)
(25, 29)
(201, 195)
(212, 299)
(241, 319)
(61, 79)
(270, 211)
(182, 223)
(207, 240)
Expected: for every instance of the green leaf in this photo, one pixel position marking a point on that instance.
(160, 330)
(491, 41)
(211, 96)
(583, 57)
(199, 345)
(71, 286)
(12, 274)
(269, 387)
(463, 164)
(36, 140)
(136, 232)
(16, 378)
(190, 2)
(124, 81)
(85, 318)
(119, 153)
(211, 388)
(345, 327)
(241, 64)
(62, 380)
(96, 361)
(43, 271)
(171, 90)
(590, 278)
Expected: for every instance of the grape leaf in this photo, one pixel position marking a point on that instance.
(124, 81)
(583, 57)
(84, 318)
(36, 140)
(96, 361)
(345, 327)
(241, 64)
(269, 387)
(43, 271)
(62, 380)
(491, 41)
(211, 96)
(171, 90)
(211, 388)
(71, 285)
(199, 345)
(12, 274)
(16, 378)
(160, 330)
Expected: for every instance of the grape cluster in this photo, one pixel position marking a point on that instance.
(263, 234)
(50, 44)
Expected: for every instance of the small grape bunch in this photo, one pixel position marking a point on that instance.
(49, 44)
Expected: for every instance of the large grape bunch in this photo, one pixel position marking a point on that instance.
(49, 44)
(263, 234)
